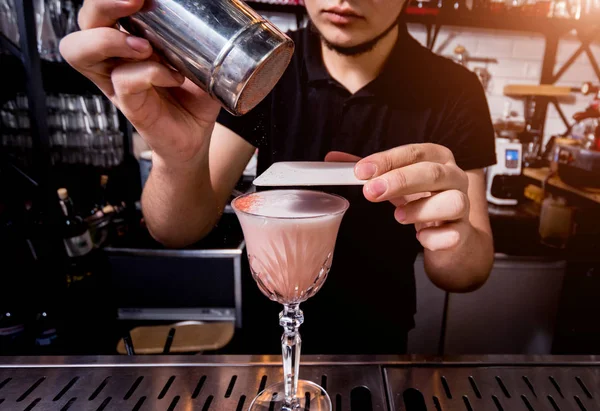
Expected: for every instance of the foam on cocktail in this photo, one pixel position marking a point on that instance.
(291, 204)
(290, 236)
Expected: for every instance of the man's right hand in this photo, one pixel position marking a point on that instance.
(173, 115)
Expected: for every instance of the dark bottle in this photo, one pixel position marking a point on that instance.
(78, 244)
(101, 198)
(76, 234)
(46, 335)
(100, 215)
(121, 220)
(84, 273)
(12, 330)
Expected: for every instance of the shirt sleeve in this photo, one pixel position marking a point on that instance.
(253, 126)
(467, 129)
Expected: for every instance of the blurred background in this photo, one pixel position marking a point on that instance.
(538, 61)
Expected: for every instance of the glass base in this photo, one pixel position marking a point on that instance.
(272, 398)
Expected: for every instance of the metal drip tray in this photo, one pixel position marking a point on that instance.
(229, 383)
(494, 388)
(227, 388)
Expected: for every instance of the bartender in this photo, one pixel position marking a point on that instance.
(359, 87)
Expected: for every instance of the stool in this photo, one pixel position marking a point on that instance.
(183, 337)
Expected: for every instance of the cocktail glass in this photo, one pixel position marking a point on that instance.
(290, 237)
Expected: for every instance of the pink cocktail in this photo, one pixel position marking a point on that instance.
(290, 237)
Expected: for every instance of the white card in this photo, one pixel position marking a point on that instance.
(308, 173)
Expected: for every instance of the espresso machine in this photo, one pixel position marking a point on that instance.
(577, 159)
(504, 185)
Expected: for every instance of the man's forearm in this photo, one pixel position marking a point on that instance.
(464, 268)
(179, 204)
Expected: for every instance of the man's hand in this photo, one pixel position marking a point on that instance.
(427, 187)
(195, 162)
(173, 115)
(446, 204)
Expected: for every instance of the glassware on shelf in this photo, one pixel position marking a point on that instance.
(63, 15)
(54, 19)
(39, 7)
(290, 236)
(50, 41)
(72, 25)
(46, 38)
(8, 20)
(81, 129)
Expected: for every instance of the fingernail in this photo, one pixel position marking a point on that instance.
(138, 44)
(365, 171)
(377, 187)
(400, 214)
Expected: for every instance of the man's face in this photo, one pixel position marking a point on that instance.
(348, 23)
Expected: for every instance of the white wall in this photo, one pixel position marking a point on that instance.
(519, 58)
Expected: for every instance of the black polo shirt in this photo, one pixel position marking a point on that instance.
(368, 301)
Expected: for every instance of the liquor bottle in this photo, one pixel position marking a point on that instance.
(76, 234)
(45, 333)
(121, 220)
(85, 268)
(118, 212)
(101, 197)
(100, 215)
(78, 245)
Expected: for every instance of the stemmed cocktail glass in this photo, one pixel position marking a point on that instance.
(290, 237)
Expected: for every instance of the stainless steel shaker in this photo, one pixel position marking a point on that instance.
(223, 46)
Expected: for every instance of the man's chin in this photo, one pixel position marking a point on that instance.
(340, 37)
(344, 41)
(348, 48)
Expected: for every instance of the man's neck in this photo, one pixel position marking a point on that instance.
(355, 72)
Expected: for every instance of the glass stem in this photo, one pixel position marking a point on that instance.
(290, 319)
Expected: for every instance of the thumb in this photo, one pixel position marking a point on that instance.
(340, 157)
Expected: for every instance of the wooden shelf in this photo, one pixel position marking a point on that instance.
(540, 175)
(537, 90)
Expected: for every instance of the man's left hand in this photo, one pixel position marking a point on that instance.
(427, 187)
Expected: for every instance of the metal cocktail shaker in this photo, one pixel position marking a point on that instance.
(223, 46)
